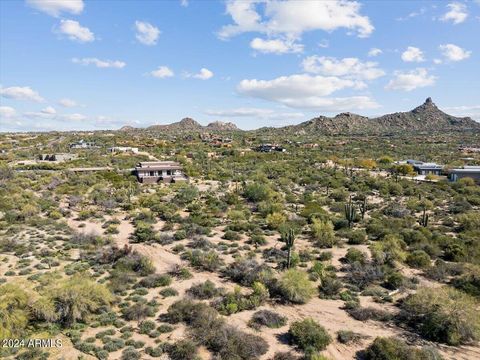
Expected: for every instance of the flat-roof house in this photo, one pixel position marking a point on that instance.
(151, 172)
(270, 148)
(82, 144)
(464, 172)
(428, 168)
(123, 149)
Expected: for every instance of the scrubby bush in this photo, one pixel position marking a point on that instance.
(418, 259)
(395, 349)
(205, 290)
(348, 336)
(266, 318)
(155, 280)
(182, 350)
(294, 286)
(309, 336)
(443, 314)
(323, 233)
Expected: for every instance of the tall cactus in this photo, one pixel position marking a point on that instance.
(350, 212)
(363, 207)
(424, 219)
(288, 237)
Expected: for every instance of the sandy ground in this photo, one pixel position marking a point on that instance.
(329, 313)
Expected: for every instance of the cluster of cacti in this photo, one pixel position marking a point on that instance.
(424, 219)
(350, 212)
(288, 237)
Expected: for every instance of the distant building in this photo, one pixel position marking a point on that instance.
(424, 168)
(151, 172)
(82, 144)
(123, 149)
(465, 172)
(57, 157)
(270, 148)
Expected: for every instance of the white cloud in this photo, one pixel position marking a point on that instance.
(454, 53)
(294, 17)
(7, 112)
(147, 33)
(324, 43)
(57, 7)
(67, 102)
(457, 13)
(411, 80)
(184, 3)
(49, 110)
(75, 32)
(100, 63)
(375, 52)
(413, 54)
(162, 72)
(204, 74)
(348, 67)
(307, 92)
(73, 117)
(437, 61)
(412, 14)
(294, 86)
(21, 93)
(276, 46)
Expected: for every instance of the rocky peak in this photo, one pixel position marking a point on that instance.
(188, 122)
(220, 125)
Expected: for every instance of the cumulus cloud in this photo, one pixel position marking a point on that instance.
(7, 112)
(146, 33)
(162, 72)
(413, 54)
(374, 52)
(50, 110)
(73, 117)
(57, 7)
(275, 46)
(67, 102)
(116, 64)
(75, 32)
(204, 74)
(454, 53)
(348, 67)
(307, 92)
(457, 13)
(293, 17)
(411, 80)
(21, 93)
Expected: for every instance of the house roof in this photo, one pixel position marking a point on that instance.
(158, 165)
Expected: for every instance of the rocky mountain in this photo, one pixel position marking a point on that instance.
(186, 124)
(426, 118)
(221, 126)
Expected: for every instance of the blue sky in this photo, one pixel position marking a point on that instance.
(73, 64)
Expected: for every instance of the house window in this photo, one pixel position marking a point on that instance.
(169, 172)
(152, 173)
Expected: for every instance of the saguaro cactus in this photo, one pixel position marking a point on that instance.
(350, 212)
(424, 219)
(363, 207)
(288, 237)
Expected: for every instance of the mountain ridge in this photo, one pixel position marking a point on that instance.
(426, 117)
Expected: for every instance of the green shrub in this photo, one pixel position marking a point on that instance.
(266, 318)
(395, 349)
(418, 259)
(443, 314)
(205, 290)
(294, 286)
(309, 336)
(182, 350)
